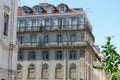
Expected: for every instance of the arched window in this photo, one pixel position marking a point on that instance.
(31, 71)
(44, 73)
(19, 71)
(72, 71)
(73, 38)
(20, 55)
(26, 10)
(59, 55)
(32, 55)
(59, 71)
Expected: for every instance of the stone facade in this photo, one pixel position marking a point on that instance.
(8, 46)
(55, 43)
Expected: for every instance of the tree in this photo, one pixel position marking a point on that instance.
(110, 61)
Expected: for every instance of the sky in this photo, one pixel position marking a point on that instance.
(104, 16)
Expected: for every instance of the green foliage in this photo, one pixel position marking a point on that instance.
(111, 60)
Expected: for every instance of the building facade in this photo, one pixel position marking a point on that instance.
(55, 43)
(8, 46)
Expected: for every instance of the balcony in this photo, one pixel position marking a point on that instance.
(52, 45)
(52, 28)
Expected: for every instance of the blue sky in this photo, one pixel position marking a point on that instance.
(104, 16)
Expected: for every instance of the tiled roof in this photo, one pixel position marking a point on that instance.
(44, 7)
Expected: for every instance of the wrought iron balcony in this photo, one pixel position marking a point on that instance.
(51, 44)
(51, 28)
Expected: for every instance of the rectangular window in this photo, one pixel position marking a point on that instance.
(73, 21)
(58, 73)
(48, 23)
(31, 73)
(6, 20)
(20, 39)
(59, 40)
(45, 56)
(33, 39)
(44, 73)
(72, 73)
(46, 39)
(82, 36)
(73, 54)
(60, 23)
(19, 73)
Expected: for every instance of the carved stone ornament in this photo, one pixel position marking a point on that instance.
(6, 8)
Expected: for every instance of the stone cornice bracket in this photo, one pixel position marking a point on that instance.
(6, 8)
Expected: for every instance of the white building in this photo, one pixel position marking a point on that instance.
(55, 43)
(8, 46)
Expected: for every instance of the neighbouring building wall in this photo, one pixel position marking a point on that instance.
(8, 45)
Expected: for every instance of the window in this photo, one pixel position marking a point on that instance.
(19, 71)
(50, 9)
(20, 39)
(33, 39)
(82, 36)
(73, 22)
(37, 10)
(44, 71)
(26, 10)
(72, 71)
(32, 55)
(59, 55)
(48, 23)
(46, 39)
(60, 23)
(73, 38)
(58, 71)
(35, 23)
(45, 55)
(73, 54)
(6, 20)
(31, 71)
(62, 8)
(20, 55)
(23, 23)
(59, 39)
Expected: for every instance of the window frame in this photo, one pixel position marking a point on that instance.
(59, 39)
(59, 55)
(31, 67)
(73, 55)
(6, 24)
(32, 55)
(45, 55)
(20, 56)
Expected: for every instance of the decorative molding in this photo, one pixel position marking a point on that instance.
(72, 65)
(58, 65)
(6, 8)
(45, 65)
